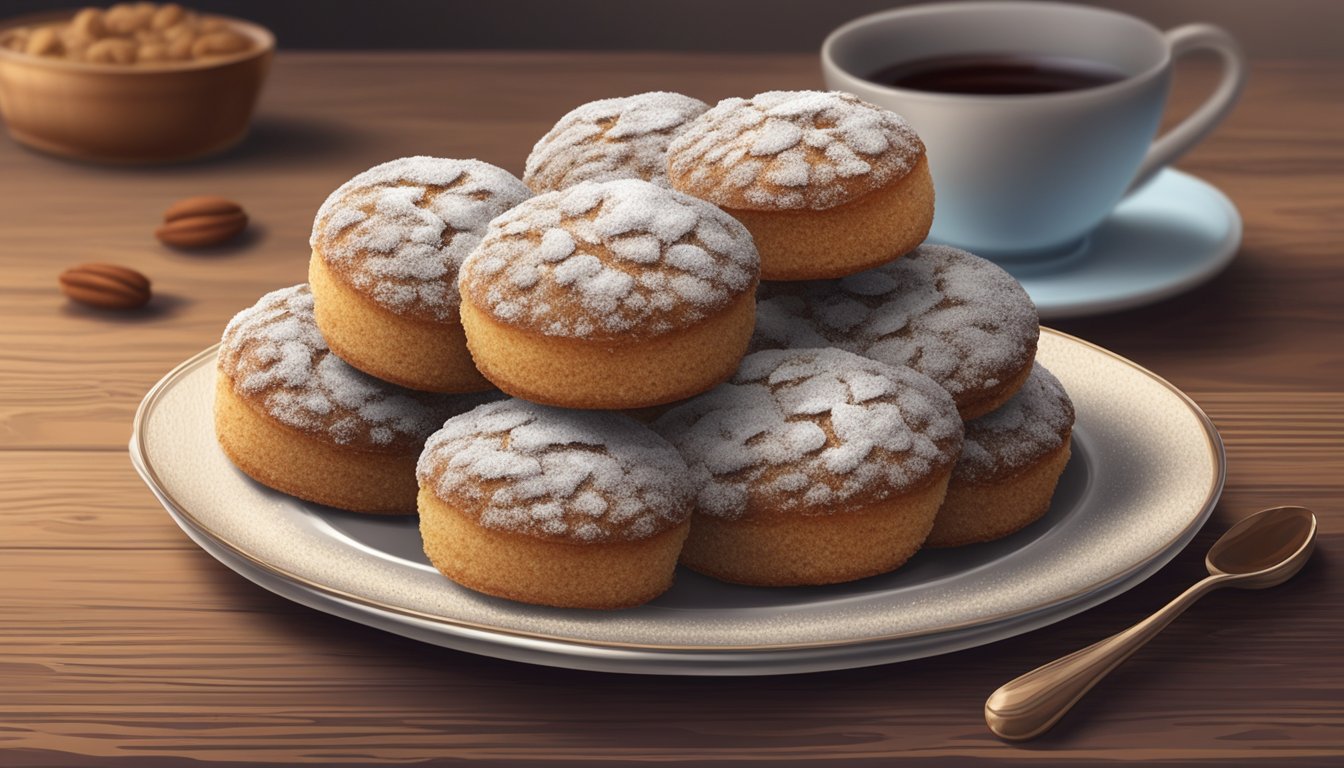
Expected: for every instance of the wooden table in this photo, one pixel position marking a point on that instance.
(121, 644)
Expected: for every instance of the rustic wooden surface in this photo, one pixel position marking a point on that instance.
(121, 644)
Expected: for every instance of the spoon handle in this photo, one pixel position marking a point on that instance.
(1029, 705)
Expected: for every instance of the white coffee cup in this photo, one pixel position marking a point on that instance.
(1026, 176)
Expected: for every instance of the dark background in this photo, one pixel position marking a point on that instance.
(1267, 28)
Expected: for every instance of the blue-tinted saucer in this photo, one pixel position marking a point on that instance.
(1171, 235)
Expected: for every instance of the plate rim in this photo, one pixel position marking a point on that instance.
(1213, 441)
(675, 663)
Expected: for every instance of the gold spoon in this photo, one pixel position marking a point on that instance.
(1263, 550)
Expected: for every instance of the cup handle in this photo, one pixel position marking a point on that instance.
(1179, 140)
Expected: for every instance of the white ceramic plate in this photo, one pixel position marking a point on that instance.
(1146, 471)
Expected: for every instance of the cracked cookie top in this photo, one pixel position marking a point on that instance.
(554, 473)
(400, 231)
(792, 150)
(810, 431)
(1034, 422)
(951, 315)
(614, 259)
(273, 355)
(622, 138)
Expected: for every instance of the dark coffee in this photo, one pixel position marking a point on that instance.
(994, 74)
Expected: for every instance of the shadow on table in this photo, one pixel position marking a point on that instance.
(1212, 319)
(272, 141)
(281, 140)
(160, 306)
(244, 243)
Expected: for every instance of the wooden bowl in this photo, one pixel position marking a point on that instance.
(140, 114)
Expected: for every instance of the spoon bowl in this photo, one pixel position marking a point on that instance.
(1264, 549)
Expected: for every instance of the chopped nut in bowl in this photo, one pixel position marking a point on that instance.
(133, 83)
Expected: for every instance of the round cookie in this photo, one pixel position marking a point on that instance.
(813, 466)
(294, 417)
(622, 138)
(616, 294)
(387, 246)
(572, 509)
(828, 184)
(955, 317)
(1010, 463)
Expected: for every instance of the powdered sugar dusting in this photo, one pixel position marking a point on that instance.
(606, 259)
(550, 472)
(622, 138)
(807, 429)
(273, 353)
(952, 316)
(1033, 423)
(791, 150)
(401, 230)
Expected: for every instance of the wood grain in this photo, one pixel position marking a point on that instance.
(121, 644)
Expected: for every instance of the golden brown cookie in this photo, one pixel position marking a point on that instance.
(573, 509)
(953, 316)
(387, 247)
(1010, 464)
(294, 417)
(617, 294)
(813, 466)
(622, 138)
(828, 184)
